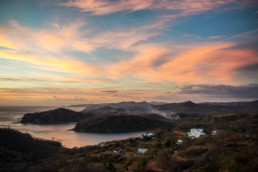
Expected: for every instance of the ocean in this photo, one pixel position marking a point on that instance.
(11, 115)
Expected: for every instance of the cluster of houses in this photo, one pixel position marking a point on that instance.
(193, 133)
(118, 152)
(197, 132)
(174, 117)
(151, 135)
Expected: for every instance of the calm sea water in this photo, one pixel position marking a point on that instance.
(10, 117)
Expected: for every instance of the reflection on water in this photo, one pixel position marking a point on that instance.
(9, 117)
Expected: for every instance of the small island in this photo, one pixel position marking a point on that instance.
(56, 116)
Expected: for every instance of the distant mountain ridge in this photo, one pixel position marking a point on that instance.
(187, 107)
(125, 107)
(116, 104)
(209, 108)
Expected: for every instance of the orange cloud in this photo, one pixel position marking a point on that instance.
(55, 64)
(123, 38)
(67, 37)
(53, 39)
(45, 47)
(4, 42)
(211, 63)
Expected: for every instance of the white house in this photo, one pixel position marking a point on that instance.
(175, 117)
(196, 132)
(214, 132)
(102, 144)
(179, 142)
(148, 135)
(119, 152)
(142, 151)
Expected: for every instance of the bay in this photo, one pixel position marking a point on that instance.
(11, 115)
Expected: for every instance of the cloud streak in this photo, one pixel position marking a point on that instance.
(51, 63)
(109, 91)
(201, 63)
(54, 38)
(243, 91)
(103, 7)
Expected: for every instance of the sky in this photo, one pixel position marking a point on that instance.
(62, 52)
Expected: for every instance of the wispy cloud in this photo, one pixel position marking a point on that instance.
(52, 39)
(46, 47)
(51, 63)
(53, 79)
(21, 79)
(69, 95)
(102, 7)
(109, 91)
(123, 39)
(215, 37)
(201, 63)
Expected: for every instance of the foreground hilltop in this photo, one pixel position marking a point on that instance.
(19, 150)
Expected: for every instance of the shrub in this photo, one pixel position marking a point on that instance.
(158, 144)
(62, 163)
(110, 167)
(127, 163)
(168, 143)
(146, 138)
(142, 164)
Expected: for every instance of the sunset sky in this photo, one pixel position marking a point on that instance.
(55, 52)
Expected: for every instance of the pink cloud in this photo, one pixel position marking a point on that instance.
(123, 38)
(215, 37)
(102, 7)
(53, 39)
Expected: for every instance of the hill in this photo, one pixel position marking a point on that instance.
(208, 108)
(122, 122)
(55, 116)
(18, 150)
(103, 110)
